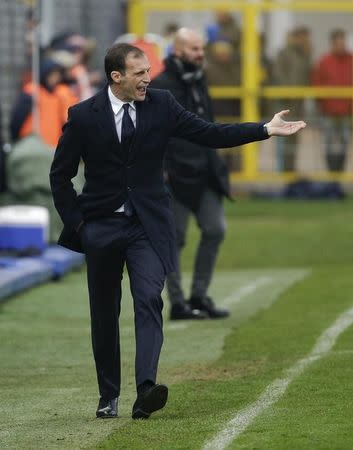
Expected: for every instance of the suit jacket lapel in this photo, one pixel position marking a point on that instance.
(105, 116)
(106, 122)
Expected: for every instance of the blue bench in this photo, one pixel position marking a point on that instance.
(61, 259)
(17, 274)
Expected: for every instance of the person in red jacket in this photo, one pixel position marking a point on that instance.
(336, 69)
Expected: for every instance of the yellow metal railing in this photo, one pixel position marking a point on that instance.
(251, 91)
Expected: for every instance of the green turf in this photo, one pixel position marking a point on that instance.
(282, 233)
(300, 251)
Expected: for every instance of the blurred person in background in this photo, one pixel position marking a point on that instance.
(168, 34)
(2, 159)
(223, 69)
(22, 123)
(335, 69)
(67, 90)
(266, 77)
(292, 67)
(197, 176)
(225, 28)
(82, 48)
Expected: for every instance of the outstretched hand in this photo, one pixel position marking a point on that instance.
(279, 127)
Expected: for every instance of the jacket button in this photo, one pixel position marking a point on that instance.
(129, 188)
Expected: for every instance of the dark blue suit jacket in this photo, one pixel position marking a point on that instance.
(90, 134)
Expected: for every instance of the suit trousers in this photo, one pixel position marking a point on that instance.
(211, 221)
(110, 243)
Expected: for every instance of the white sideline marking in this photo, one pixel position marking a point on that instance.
(176, 326)
(277, 388)
(248, 289)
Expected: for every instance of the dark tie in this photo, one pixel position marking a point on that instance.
(127, 131)
(127, 135)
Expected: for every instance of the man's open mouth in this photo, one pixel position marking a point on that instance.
(142, 90)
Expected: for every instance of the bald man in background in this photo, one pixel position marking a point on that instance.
(198, 179)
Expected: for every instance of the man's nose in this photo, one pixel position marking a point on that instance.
(147, 78)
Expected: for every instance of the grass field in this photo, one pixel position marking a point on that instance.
(285, 271)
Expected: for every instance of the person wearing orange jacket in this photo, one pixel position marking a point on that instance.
(67, 90)
(49, 107)
(336, 69)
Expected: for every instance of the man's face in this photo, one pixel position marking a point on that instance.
(339, 45)
(192, 51)
(133, 83)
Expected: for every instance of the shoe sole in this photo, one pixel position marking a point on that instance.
(156, 399)
(189, 318)
(106, 416)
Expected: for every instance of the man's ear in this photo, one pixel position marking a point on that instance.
(116, 76)
(177, 51)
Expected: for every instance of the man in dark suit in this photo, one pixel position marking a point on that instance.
(123, 214)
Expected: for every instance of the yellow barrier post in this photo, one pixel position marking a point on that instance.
(136, 19)
(250, 85)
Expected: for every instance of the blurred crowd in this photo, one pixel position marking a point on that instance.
(65, 78)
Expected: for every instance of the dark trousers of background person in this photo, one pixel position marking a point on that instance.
(287, 153)
(337, 135)
(109, 243)
(211, 221)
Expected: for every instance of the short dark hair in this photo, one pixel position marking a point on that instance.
(115, 58)
(337, 33)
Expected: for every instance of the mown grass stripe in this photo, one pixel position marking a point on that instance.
(246, 290)
(241, 421)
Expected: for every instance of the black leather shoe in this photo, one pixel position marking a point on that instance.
(183, 311)
(107, 409)
(152, 399)
(207, 305)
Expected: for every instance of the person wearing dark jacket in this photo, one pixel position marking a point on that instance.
(2, 161)
(197, 176)
(123, 214)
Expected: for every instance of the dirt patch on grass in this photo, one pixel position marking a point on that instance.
(200, 372)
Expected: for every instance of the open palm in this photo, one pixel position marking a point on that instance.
(279, 127)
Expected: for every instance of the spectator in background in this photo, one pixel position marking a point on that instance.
(82, 49)
(292, 67)
(168, 33)
(2, 160)
(197, 176)
(224, 29)
(266, 77)
(67, 90)
(22, 123)
(223, 69)
(335, 69)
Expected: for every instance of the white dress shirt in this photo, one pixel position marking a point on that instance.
(117, 106)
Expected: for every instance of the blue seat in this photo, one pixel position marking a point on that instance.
(17, 274)
(61, 259)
